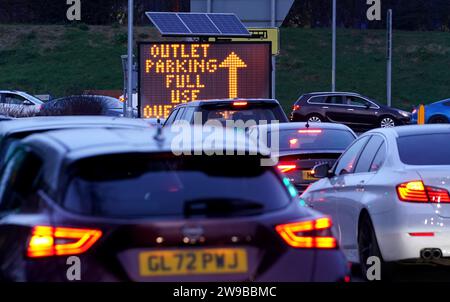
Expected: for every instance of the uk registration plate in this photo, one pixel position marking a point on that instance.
(306, 174)
(193, 262)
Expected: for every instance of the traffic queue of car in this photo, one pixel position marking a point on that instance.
(134, 206)
(114, 193)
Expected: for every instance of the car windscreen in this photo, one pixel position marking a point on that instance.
(32, 97)
(250, 112)
(113, 103)
(425, 149)
(314, 139)
(136, 185)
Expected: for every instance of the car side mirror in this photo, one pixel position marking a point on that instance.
(368, 106)
(27, 103)
(321, 171)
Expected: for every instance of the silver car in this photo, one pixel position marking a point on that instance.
(389, 196)
(12, 100)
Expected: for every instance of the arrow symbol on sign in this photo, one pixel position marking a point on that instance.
(233, 62)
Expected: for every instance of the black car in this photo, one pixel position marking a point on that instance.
(84, 105)
(229, 110)
(301, 147)
(352, 109)
(131, 210)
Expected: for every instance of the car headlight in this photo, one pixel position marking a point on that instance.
(404, 113)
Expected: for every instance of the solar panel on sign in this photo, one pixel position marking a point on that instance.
(168, 23)
(228, 24)
(199, 23)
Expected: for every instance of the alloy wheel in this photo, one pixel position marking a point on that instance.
(314, 119)
(387, 122)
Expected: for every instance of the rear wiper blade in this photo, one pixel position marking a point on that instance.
(220, 207)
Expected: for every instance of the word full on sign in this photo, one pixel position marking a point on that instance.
(180, 72)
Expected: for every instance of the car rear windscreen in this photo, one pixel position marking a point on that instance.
(250, 112)
(136, 185)
(425, 149)
(314, 139)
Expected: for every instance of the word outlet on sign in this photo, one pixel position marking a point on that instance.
(171, 73)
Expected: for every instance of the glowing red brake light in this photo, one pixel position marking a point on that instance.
(310, 131)
(314, 234)
(438, 195)
(239, 104)
(293, 141)
(412, 191)
(49, 241)
(416, 191)
(296, 107)
(286, 167)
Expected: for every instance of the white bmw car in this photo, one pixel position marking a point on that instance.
(388, 195)
(18, 99)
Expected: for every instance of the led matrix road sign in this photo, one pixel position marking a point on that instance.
(171, 73)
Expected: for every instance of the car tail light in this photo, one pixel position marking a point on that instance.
(438, 195)
(311, 234)
(414, 111)
(122, 99)
(286, 167)
(412, 191)
(48, 241)
(310, 131)
(239, 104)
(293, 141)
(296, 107)
(416, 191)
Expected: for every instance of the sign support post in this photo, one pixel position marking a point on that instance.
(129, 98)
(389, 59)
(274, 60)
(333, 63)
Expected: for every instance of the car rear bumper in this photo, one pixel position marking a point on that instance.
(404, 247)
(329, 266)
(297, 116)
(404, 236)
(293, 265)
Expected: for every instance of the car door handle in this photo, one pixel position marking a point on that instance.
(325, 107)
(351, 109)
(360, 185)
